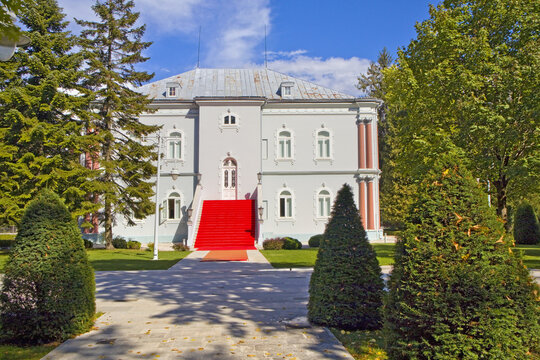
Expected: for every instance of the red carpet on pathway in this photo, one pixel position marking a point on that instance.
(226, 255)
(227, 225)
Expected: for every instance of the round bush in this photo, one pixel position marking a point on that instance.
(48, 292)
(88, 244)
(526, 227)
(119, 243)
(134, 245)
(315, 241)
(291, 244)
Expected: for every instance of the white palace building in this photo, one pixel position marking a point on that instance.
(251, 154)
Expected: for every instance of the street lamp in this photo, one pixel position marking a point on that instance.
(8, 43)
(156, 220)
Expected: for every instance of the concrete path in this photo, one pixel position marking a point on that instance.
(203, 310)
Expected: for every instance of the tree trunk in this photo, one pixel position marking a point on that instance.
(501, 185)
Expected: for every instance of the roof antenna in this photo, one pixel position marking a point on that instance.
(265, 60)
(199, 48)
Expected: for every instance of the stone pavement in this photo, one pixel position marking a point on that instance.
(203, 310)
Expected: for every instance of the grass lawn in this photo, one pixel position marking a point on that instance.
(363, 345)
(110, 260)
(531, 255)
(10, 352)
(306, 257)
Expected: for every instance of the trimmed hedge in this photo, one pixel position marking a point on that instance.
(458, 290)
(134, 245)
(119, 242)
(315, 240)
(346, 287)
(180, 247)
(49, 290)
(526, 227)
(273, 244)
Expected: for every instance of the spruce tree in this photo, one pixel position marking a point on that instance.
(458, 289)
(526, 226)
(48, 291)
(346, 287)
(113, 47)
(43, 108)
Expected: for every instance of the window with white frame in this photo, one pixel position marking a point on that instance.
(285, 204)
(171, 207)
(175, 145)
(229, 120)
(285, 145)
(323, 144)
(172, 91)
(323, 204)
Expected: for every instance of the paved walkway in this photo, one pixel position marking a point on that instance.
(203, 310)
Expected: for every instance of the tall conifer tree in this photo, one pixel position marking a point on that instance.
(43, 107)
(113, 47)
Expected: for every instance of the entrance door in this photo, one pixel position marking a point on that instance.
(229, 177)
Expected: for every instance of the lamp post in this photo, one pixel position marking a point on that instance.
(156, 219)
(8, 43)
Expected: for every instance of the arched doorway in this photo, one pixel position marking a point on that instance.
(229, 179)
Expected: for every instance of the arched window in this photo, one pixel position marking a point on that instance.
(175, 145)
(229, 120)
(285, 204)
(323, 204)
(284, 145)
(323, 144)
(171, 208)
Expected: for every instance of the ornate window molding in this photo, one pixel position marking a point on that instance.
(285, 149)
(285, 205)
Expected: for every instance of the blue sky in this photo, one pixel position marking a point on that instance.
(327, 42)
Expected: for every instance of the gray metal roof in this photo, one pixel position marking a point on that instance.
(238, 83)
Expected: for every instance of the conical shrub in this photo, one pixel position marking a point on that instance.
(49, 289)
(526, 227)
(346, 287)
(458, 289)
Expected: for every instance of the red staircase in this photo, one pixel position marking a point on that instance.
(227, 225)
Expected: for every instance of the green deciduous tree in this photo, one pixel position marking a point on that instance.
(346, 287)
(43, 108)
(458, 290)
(526, 226)
(113, 47)
(472, 75)
(48, 291)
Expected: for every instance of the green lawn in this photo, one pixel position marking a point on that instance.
(111, 260)
(363, 345)
(10, 352)
(306, 257)
(531, 255)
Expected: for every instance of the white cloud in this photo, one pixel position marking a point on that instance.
(336, 73)
(232, 36)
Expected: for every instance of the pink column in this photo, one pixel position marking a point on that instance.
(370, 210)
(369, 146)
(362, 202)
(361, 145)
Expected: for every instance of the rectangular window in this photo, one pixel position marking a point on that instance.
(264, 149)
(289, 150)
(172, 91)
(321, 207)
(282, 207)
(289, 207)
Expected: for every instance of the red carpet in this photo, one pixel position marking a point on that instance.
(226, 255)
(227, 225)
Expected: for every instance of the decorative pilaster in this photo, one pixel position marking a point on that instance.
(370, 206)
(369, 146)
(361, 144)
(362, 201)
